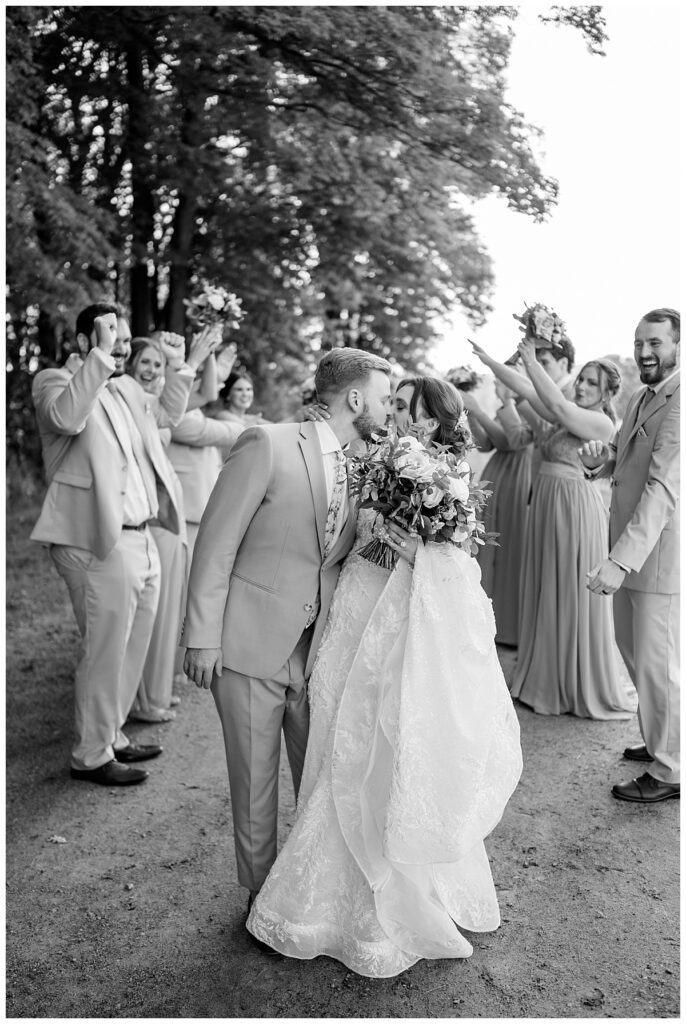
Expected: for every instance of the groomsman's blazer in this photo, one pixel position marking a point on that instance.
(84, 461)
(644, 513)
(196, 459)
(258, 566)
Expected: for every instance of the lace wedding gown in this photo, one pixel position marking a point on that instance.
(412, 756)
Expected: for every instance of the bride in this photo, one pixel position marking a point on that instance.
(413, 752)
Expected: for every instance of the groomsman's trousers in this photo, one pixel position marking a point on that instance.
(647, 634)
(114, 602)
(253, 713)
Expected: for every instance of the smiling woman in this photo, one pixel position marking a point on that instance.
(146, 365)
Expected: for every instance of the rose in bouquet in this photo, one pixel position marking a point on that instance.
(427, 491)
(213, 305)
(541, 325)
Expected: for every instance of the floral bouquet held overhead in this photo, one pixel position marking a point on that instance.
(427, 492)
(541, 325)
(213, 306)
(463, 378)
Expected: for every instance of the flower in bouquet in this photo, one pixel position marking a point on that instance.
(427, 491)
(213, 305)
(463, 378)
(541, 325)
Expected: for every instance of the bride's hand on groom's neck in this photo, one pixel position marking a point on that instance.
(317, 412)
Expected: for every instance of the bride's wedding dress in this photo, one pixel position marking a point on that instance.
(412, 756)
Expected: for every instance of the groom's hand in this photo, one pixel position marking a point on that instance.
(200, 664)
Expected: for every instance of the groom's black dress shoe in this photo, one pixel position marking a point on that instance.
(646, 790)
(638, 753)
(262, 946)
(135, 752)
(110, 774)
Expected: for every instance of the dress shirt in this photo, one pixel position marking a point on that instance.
(330, 444)
(140, 497)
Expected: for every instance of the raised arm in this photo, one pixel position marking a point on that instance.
(63, 402)
(200, 431)
(486, 428)
(514, 381)
(518, 433)
(584, 423)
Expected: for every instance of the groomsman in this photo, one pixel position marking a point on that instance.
(106, 482)
(642, 571)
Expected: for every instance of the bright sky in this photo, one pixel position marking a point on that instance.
(612, 126)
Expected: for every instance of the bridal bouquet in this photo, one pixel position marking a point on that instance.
(542, 325)
(426, 491)
(213, 305)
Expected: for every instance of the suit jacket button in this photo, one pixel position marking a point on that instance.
(308, 607)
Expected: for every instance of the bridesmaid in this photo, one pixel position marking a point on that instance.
(154, 699)
(508, 475)
(567, 659)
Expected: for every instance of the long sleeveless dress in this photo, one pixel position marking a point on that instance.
(509, 478)
(567, 660)
(412, 756)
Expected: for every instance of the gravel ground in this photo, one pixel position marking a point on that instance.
(123, 902)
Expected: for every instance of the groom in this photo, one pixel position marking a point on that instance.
(266, 561)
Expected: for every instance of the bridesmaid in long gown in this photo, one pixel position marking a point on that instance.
(567, 661)
(508, 476)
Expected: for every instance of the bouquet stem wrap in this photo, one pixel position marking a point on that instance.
(379, 553)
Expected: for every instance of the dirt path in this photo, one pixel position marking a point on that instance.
(138, 914)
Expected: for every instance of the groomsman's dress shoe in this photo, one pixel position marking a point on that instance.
(646, 790)
(134, 752)
(258, 942)
(110, 774)
(637, 753)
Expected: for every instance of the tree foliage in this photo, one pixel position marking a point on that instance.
(321, 162)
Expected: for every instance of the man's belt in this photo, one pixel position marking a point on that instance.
(141, 526)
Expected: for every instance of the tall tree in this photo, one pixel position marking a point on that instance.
(321, 162)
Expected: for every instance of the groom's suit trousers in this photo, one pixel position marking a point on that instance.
(253, 713)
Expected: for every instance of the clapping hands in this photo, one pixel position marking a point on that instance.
(203, 345)
(226, 359)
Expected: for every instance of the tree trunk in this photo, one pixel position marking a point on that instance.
(143, 206)
(180, 253)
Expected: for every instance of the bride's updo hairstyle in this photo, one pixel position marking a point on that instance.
(443, 402)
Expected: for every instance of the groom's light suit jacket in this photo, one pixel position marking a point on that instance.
(258, 567)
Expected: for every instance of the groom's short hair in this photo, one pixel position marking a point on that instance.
(341, 368)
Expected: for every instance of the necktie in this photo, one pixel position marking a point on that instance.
(646, 398)
(337, 494)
